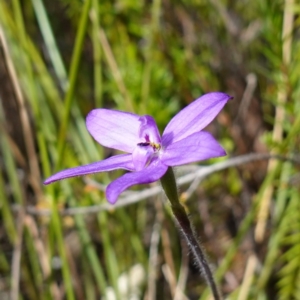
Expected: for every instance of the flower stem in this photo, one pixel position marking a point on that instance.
(169, 185)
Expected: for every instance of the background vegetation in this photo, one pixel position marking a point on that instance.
(62, 58)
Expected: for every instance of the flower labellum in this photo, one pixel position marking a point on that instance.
(149, 155)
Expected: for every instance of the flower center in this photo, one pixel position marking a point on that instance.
(156, 147)
(149, 145)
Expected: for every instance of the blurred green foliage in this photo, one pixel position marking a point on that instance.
(148, 57)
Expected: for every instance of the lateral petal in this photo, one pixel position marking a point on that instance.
(114, 129)
(122, 161)
(150, 174)
(194, 117)
(198, 146)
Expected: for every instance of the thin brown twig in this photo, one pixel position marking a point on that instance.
(16, 258)
(263, 212)
(42, 256)
(153, 258)
(17, 153)
(78, 288)
(172, 283)
(248, 277)
(169, 267)
(35, 175)
(230, 25)
(201, 172)
(115, 70)
(183, 272)
(251, 80)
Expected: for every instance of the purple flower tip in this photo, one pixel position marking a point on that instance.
(148, 154)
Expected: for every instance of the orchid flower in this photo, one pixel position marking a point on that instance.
(149, 155)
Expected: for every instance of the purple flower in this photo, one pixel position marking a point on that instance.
(148, 154)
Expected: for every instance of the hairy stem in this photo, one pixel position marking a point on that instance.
(169, 185)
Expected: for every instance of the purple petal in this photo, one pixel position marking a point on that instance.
(122, 161)
(194, 117)
(141, 156)
(196, 147)
(148, 130)
(150, 174)
(114, 129)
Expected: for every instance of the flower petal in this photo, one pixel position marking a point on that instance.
(148, 130)
(194, 117)
(150, 174)
(141, 156)
(122, 161)
(114, 129)
(196, 147)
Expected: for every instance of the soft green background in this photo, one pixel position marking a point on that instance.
(60, 59)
